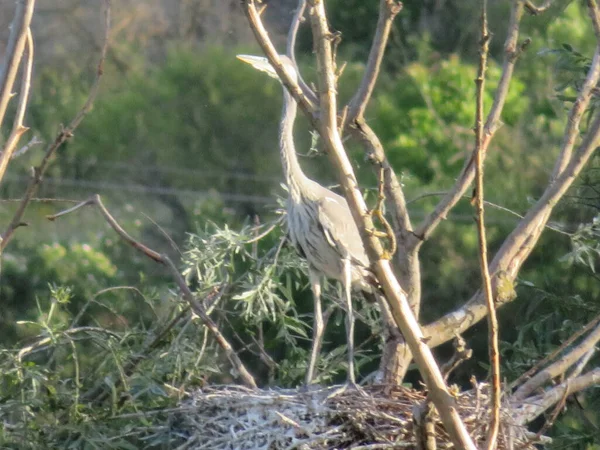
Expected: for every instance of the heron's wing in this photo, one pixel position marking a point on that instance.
(339, 227)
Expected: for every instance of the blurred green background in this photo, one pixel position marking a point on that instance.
(183, 135)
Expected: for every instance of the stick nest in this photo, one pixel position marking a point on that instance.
(379, 417)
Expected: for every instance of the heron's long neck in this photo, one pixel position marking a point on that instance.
(294, 176)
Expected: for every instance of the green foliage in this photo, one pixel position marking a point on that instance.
(262, 295)
(104, 384)
(586, 245)
(426, 117)
(73, 318)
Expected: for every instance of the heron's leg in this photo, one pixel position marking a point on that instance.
(318, 327)
(346, 281)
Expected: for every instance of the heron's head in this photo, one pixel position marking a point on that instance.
(261, 63)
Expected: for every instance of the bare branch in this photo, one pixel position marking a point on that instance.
(589, 326)
(262, 37)
(18, 128)
(585, 359)
(538, 405)
(520, 243)
(388, 10)
(14, 52)
(62, 136)
(557, 409)
(594, 13)
(395, 295)
(95, 200)
(535, 10)
(354, 121)
(32, 143)
(512, 52)
(559, 367)
(187, 294)
(494, 354)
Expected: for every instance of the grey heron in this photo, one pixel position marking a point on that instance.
(320, 226)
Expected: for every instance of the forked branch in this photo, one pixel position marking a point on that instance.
(395, 295)
(388, 10)
(517, 247)
(519, 244)
(512, 50)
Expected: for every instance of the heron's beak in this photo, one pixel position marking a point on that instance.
(260, 63)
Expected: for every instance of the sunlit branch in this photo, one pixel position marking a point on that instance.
(14, 52)
(494, 353)
(18, 128)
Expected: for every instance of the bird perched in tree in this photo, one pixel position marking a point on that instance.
(320, 225)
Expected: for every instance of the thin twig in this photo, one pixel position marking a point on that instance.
(486, 203)
(62, 136)
(32, 143)
(585, 359)
(293, 32)
(388, 10)
(494, 354)
(44, 342)
(557, 409)
(512, 51)
(353, 120)
(187, 294)
(291, 50)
